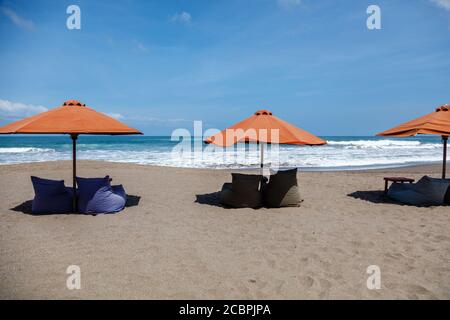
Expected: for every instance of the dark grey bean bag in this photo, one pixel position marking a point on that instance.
(282, 190)
(243, 192)
(426, 192)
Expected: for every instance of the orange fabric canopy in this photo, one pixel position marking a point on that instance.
(437, 122)
(257, 128)
(72, 117)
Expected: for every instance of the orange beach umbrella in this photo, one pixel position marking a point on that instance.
(437, 122)
(72, 118)
(258, 128)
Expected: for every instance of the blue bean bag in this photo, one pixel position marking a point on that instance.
(96, 195)
(51, 196)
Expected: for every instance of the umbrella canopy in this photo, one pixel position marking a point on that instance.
(73, 118)
(257, 128)
(437, 122)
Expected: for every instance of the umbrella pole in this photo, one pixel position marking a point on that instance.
(444, 164)
(261, 145)
(74, 166)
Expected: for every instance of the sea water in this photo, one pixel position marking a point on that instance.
(352, 152)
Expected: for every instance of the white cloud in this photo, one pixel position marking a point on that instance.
(289, 4)
(148, 119)
(141, 47)
(116, 116)
(143, 118)
(17, 20)
(14, 110)
(158, 120)
(442, 3)
(182, 17)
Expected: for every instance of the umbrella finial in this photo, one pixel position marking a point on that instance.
(263, 112)
(444, 107)
(73, 103)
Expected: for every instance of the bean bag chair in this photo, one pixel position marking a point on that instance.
(243, 192)
(282, 190)
(96, 195)
(51, 196)
(426, 192)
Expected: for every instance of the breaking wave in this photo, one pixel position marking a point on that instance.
(340, 152)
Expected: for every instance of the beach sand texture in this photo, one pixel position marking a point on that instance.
(169, 246)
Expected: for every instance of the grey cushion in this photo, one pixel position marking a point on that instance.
(243, 192)
(245, 182)
(427, 192)
(282, 190)
(446, 182)
(447, 196)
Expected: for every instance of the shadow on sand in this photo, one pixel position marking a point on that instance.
(212, 199)
(375, 196)
(132, 201)
(25, 207)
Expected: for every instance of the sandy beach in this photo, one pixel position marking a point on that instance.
(175, 242)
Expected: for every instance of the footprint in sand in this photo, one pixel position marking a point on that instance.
(307, 281)
(325, 287)
(442, 238)
(271, 263)
(418, 292)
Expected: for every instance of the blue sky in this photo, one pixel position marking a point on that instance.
(159, 65)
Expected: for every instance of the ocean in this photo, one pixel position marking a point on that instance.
(353, 152)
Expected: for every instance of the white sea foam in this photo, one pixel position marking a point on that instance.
(380, 144)
(328, 156)
(25, 150)
(353, 153)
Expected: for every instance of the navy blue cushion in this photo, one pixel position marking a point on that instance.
(97, 196)
(44, 187)
(120, 191)
(108, 200)
(87, 187)
(51, 196)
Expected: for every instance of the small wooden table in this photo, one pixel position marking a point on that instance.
(395, 179)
